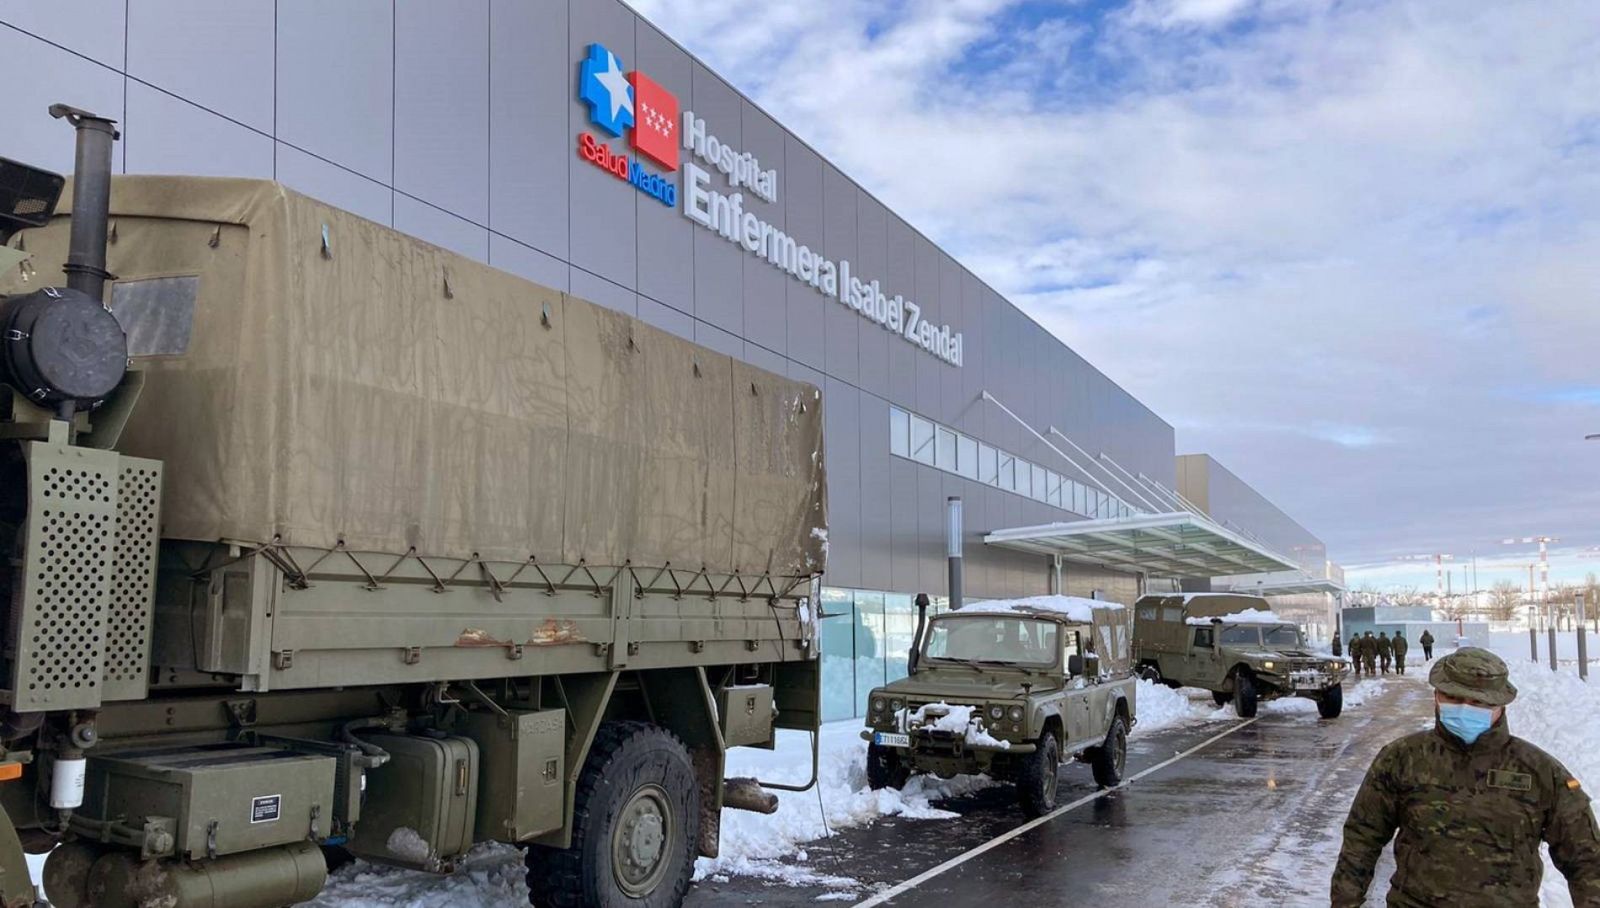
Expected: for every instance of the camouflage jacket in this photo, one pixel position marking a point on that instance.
(1400, 646)
(1470, 820)
(1385, 647)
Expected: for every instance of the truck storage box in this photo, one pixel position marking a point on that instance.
(523, 771)
(225, 798)
(746, 712)
(421, 805)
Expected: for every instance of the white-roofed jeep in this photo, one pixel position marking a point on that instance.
(1009, 689)
(1234, 646)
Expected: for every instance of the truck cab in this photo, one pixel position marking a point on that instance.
(1009, 689)
(1236, 647)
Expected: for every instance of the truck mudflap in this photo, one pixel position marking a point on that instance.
(16, 886)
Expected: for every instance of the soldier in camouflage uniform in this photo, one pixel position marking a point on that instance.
(1355, 652)
(1471, 804)
(1400, 646)
(1385, 650)
(1369, 653)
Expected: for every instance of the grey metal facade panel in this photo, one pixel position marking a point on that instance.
(718, 263)
(441, 104)
(526, 261)
(766, 319)
(440, 228)
(530, 148)
(804, 307)
(904, 568)
(335, 185)
(840, 241)
(842, 440)
(335, 82)
(870, 263)
(52, 74)
(602, 292)
(666, 318)
(877, 524)
(930, 529)
(709, 335)
(224, 62)
(600, 209)
(900, 277)
(93, 28)
(1233, 501)
(757, 355)
(165, 134)
(666, 238)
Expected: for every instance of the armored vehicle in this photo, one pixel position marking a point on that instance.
(1011, 689)
(1236, 647)
(320, 541)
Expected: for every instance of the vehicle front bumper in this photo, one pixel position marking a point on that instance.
(940, 744)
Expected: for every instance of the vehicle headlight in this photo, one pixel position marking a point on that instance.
(1016, 714)
(1269, 665)
(896, 704)
(878, 703)
(995, 712)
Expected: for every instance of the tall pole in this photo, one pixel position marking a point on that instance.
(953, 548)
(1583, 639)
(1533, 637)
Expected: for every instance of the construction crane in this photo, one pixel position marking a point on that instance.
(1438, 560)
(1544, 560)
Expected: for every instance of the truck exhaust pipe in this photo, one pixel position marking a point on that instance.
(915, 656)
(91, 200)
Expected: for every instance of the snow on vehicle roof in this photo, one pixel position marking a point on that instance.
(1190, 597)
(1248, 616)
(1073, 608)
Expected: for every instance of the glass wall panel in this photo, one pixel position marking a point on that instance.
(870, 648)
(921, 440)
(899, 432)
(966, 457)
(900, 625)
(838, 655)
(1008, 472)
(945, 456)
(988, 465)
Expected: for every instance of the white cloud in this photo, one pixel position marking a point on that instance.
(1363, 220)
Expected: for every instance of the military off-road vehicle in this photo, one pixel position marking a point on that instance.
(317, 540)
(1009, 689)
(1234, 646)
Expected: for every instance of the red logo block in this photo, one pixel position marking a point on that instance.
(655, 121)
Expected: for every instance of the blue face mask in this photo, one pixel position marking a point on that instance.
(1465, 721)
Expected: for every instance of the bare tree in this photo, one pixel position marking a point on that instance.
(1563, 605)
(1504, 598)
(1455, 608)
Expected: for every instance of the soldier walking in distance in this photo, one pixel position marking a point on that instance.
(1400, 646)
(1355, 652)
(1369, 653)
(1427, 644)
(1385, 650)
(1470, 803)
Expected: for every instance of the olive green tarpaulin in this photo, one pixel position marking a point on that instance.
(345, 382)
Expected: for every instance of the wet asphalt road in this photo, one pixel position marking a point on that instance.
(1252, 818)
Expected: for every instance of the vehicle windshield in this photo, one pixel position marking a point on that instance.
(993, 639)
(1282, 635)
(1241, 635)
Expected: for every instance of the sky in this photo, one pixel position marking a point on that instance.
(1351, 249)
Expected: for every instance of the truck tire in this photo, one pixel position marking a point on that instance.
(1110, 759)
(1149, 672)
(1244, 695)
(1331, 703)
(884, 768)
(635, 822)
(1036, 777)
(1221, 697)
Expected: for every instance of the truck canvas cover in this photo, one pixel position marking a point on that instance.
(315, 378)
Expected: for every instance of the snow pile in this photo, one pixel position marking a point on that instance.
(1159, 706)
(943, 717)
(1248, 616)
(1074, 608)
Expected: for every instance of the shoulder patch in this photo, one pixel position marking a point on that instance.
(1514, 781)
(1572, 784)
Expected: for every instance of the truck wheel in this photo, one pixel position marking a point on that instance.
(1221, 697)
(1036, 777)
(634, 826)
(1244, 695)
(884, 768)
(1111, 758)
(1150, 673)
(1331, 703)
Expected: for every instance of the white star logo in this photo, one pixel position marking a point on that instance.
(616, 85)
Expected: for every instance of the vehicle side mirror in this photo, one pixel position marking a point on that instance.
(1091, 664)
(1074, 664)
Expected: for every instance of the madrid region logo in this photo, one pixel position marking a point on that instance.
(632, 105)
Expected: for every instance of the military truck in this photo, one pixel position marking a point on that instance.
(1011, 689)
(1236, 647)
(321, 541)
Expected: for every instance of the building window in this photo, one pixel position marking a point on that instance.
(988, 465)
(899, 432)
(1040, 481)
(1008, 472)
(966, 457)
(945, 454)
(1052, 489)
(921, 440)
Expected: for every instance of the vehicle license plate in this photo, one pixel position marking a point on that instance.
(885, 739)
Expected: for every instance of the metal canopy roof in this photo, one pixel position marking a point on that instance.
(1290, 587)
(1177, 544)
